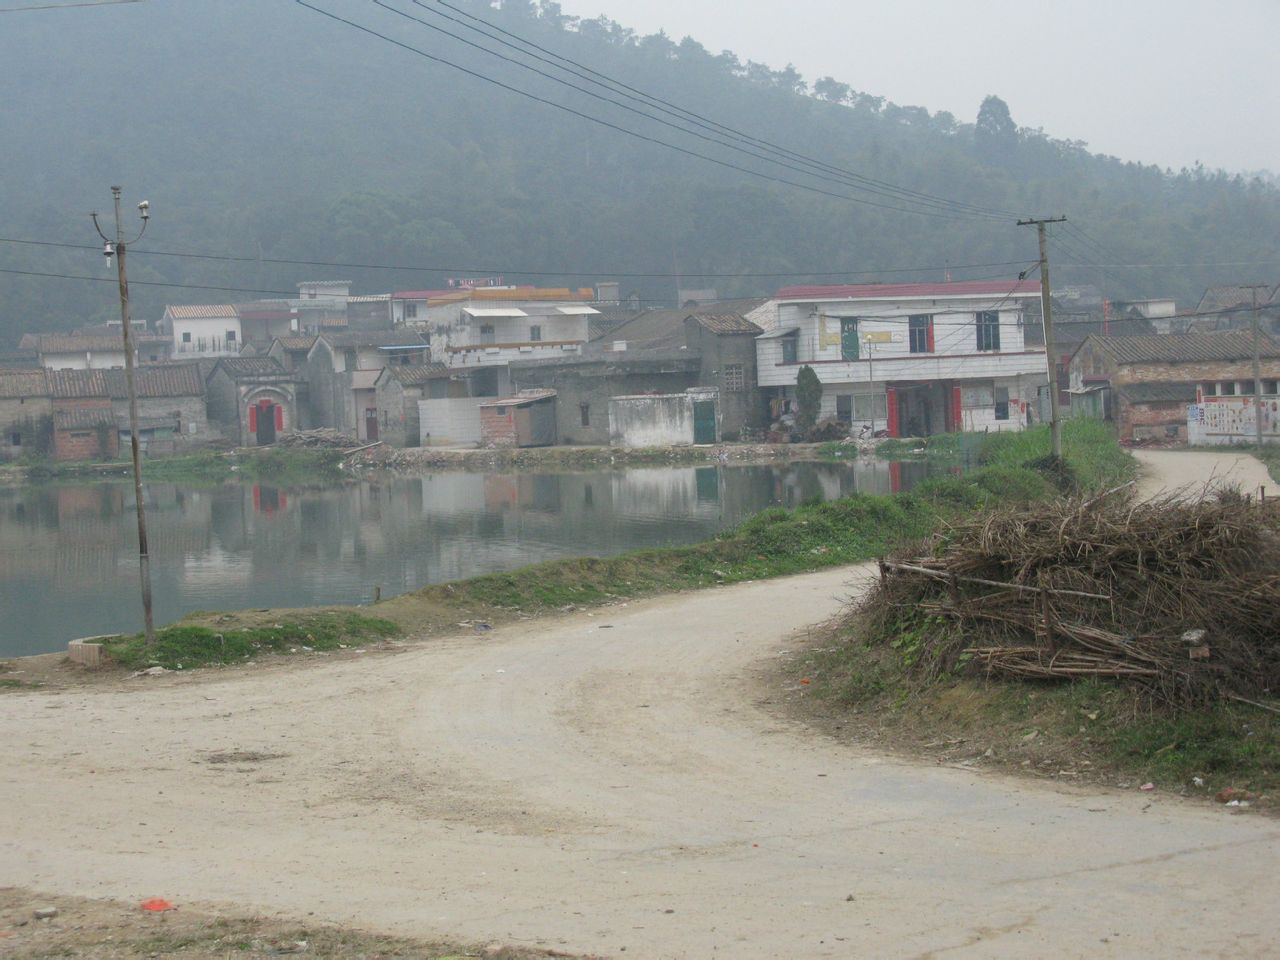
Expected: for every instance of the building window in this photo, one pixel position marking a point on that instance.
(1246, 386)
(871, 406)
(920, 330)
(403, 359)
(410, 311)
(844, 407)
(1209, 389)
(585, 410)
(1002, 403)
(486, 334)
(231, 336)
(789, 348)
(15, 439)
(186, 336)
(735, 379)
(1269, 387)
(988, 322)
(535, 333)
(1227, 389)
(849, 346)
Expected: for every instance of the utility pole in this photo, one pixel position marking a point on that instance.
(1257, 365)
(1046, 308)
(117, 248)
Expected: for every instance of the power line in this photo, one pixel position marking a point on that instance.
(553, 272)
(613, 126)
(64, 6)
(293, 294)
(824, 170)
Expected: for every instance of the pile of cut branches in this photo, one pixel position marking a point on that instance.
(1180, 596)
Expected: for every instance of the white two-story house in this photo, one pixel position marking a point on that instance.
(202, 330)
(911, 359)
(483, 330)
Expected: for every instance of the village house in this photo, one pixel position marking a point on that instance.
(252, 399)
(98, 349)
(262, 321)
(1232, 308)
(199, 331)
(341, 372)
(26, 415)
(1146, 384)
(291, 350)
(910, 359)
(397, 392)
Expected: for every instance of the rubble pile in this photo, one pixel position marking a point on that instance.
(1180, 596)
(320, 439)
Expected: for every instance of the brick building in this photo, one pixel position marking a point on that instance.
(1145, 384)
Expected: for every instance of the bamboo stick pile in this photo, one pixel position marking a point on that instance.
(1179, 596)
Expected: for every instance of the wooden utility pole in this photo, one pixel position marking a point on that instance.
(117, 248)
(1046, 309)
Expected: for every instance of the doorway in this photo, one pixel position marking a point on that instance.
(265, 428)
(371, 423)
(704, 421)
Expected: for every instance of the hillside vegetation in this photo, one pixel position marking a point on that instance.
(265, 130)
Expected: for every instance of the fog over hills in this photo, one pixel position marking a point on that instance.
(266, 130)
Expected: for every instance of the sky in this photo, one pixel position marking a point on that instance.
(1170, 82)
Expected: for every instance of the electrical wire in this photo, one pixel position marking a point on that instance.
(63, 6)
(624, 130)
(497, 271)
(824, 170)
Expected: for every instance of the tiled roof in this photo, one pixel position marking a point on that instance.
(521, 398)
(23, 384)
(375, 338)
(1159, 392)
(199, 311)
(891, 291)
(664, 329)
(84, 342)
(415, 375)
(1185, 347)
(296, 344)
(723, 323)
(161, 380)
(83, 418)
(247, 368)
(1230, 298)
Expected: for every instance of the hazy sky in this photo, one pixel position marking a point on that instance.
(1161, 81)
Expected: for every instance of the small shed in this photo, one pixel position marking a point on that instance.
(526, 420)
(665, 420)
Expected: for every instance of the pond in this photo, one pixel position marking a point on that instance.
(68, 552)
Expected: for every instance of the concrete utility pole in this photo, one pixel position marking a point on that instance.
(1257, 365)
(1046, 308)
(117, 247)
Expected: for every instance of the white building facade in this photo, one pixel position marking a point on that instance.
(908, 359)
(202, 330)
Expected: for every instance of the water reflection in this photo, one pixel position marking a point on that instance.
(68, 560)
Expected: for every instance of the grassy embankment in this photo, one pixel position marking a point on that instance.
(1083, 731)
(775, 542)
(276, 465)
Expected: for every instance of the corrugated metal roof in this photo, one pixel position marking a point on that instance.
(23, 384)
(520, 399)
(664, 329)
(1158, 392)
(577, 311)
(371, 298)
(726, 323)
(1185, 347)
(494, 312)
(201, 311)
(375, 338)
(892, 291)
(83, 418)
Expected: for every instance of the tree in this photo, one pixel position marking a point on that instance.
(995, 135)
(808, 398)
(831, 89)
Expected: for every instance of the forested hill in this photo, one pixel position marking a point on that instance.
(262, 129)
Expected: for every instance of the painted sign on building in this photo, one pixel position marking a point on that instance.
(1227, 420)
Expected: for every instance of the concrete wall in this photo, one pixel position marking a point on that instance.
(661, 421)
(208, 337)
(742, 405)
(30, 419)
(498, 427)
(95, 360)
(449, 423)
(593, 385)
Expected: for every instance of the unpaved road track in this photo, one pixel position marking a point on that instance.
(1168, 470)
(599, 783)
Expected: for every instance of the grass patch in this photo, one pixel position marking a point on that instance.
(292, 467)
(185, 645)
(1088, 731)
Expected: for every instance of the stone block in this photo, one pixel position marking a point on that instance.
(85, 653)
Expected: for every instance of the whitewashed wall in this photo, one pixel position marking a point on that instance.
(453, 422)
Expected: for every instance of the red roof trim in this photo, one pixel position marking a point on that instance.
(886, 291)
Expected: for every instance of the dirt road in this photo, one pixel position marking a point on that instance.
(1164, 470)
(611, 784)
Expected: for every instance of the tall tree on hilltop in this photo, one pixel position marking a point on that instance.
(995, 135)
